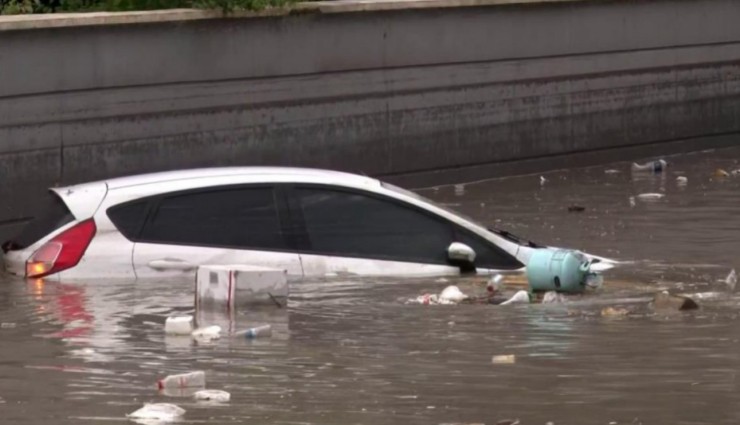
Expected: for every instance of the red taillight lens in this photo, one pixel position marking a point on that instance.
(62, 252)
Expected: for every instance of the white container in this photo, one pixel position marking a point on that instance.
(179, 325)
(213, 395)
(239, 284)
(256, 332)
(164, 412)
(184, 380)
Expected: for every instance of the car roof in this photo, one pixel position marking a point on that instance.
(270, 173)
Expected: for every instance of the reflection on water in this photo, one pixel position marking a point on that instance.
(352, 352)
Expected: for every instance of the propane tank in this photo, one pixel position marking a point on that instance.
(560, 270)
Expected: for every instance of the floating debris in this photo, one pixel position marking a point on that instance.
(504, 359)
(521, 297)
(164, 412)
(208, 333)
(179, 325)
(614, 312)
(195, 379)
(652, 166)
(543, 180)
(731, 280)
(611, 171)
(452, 294)
(682, 180)
(632, 202)
(720, 173)
(213, 395)
(576, 208)
(650, 196)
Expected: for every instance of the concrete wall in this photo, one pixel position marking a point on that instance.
(414, 89)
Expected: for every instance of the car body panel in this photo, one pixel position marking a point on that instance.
(166, 261)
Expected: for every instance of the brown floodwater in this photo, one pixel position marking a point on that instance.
(349, 351)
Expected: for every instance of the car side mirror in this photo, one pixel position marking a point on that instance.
(462, 256)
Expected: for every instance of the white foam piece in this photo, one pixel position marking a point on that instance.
(179, 325)
(164, 412)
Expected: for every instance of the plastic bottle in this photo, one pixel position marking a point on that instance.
(256, 332)
(652, 166)
(183, 380)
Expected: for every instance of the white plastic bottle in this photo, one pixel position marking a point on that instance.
(184, 380)
(256, 332)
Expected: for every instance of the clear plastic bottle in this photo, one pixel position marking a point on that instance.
(183, 380)
(256, 332)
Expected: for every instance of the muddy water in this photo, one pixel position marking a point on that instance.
(350, 351)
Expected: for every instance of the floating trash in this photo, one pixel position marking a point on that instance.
(650, 196)
(652, 166)
(452, 294)
(183, 380)
(504, 359)
(217, 396)
(179, 325)
(256, 332)
(521, 297)
(208, 333)
(731, 280)
(164, 412)
(720, 173)
(682, 180)
(614, 312)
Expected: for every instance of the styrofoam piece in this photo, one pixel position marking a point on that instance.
(213, 395)
(179, 325)
(165, 412)
(452, 294)
(229, 284)
(207, 333)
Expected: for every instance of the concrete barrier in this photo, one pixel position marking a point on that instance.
(417, 91)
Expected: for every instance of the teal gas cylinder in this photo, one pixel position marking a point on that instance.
(561, 270)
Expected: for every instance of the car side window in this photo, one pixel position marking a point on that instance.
(487, 255)
(129, 218)
(230, 218)
(351, 224)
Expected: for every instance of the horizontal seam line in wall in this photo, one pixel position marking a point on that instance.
(242, 127)
(156, 138)
(511, 59)
(563, 154)
(376, 95)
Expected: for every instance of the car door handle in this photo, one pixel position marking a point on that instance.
(171, 264)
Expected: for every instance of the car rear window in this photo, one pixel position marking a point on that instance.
(53, 214)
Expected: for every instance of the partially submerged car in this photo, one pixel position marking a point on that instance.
(308, 222)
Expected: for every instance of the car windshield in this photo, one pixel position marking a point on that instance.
(503, 233)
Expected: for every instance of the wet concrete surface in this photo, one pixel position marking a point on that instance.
(349, 351)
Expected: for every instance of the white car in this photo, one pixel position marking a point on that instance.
(308, 222)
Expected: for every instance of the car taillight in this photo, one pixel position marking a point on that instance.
(62, 252)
